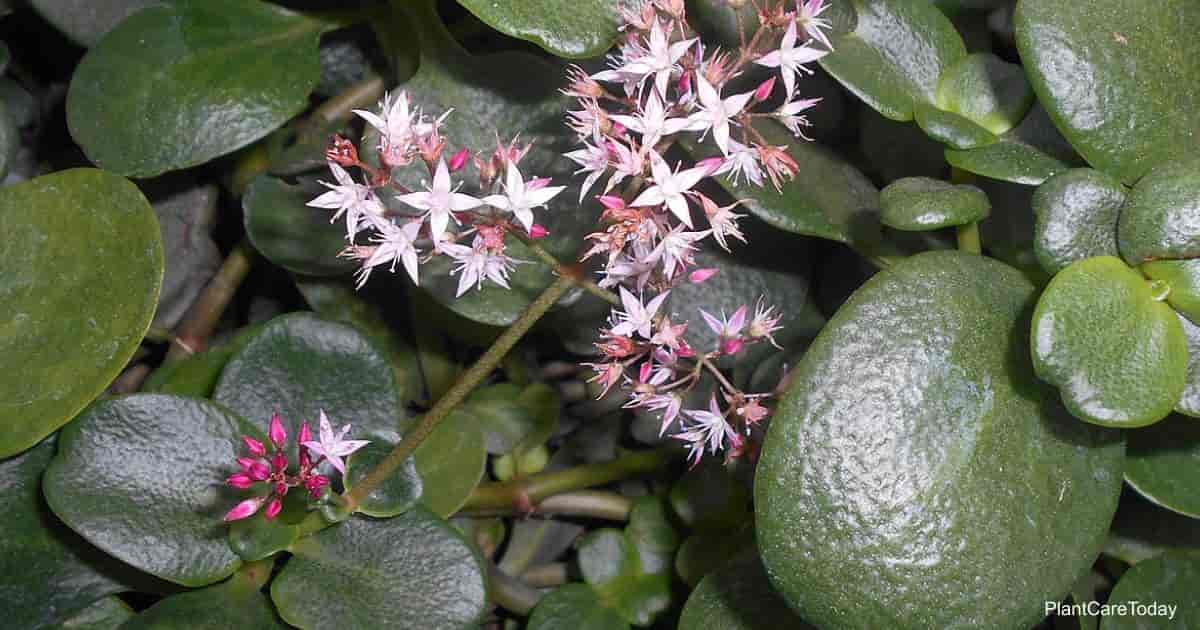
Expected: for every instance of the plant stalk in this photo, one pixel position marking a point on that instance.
(192, 334)
(535, 489)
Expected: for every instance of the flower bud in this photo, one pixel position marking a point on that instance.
(246, 463)
(538, 231)
(459, 160)
(341, 151)
(245, 509)
(316, 485)
(611, 202)
(276, 431)
(711, 165)
(241, 481)
(273, 508)
(764, 89)
(700, 275)
(279, 462)
(259, 471)
(255, 447)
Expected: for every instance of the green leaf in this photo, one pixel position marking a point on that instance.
(639, 598)
(196, 375)
(951, 129)
(1116, 353)
(896, 149)
(450, 463)
(987, 90)
(1168, 580)
(703, 553)
(652, 534)
(83, 263)
(708, 499)
(177, 85)
(257, 538)
(1088, 64)
(920, 203)
(235, 603)
(915, 452)
(412, 571)
(605, 555)
(1077, 213)
(1141, 530)
(1183, 279)
(1189, 402)
(289, 233)
(575, 606)
(87, 21)
(738, 596)
(396, 494)
(638, 587)
(1029, 154)
(1163, 464)
(141, 477)
(566, 28)
(894, 55)
(503, 419)
(38, 555)
(107, 613)
(299, 364)
(1161, 217)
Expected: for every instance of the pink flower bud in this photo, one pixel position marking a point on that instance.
(255, 447)
(273, 508)
(259, 471)
(700, 275)
(459, 160)
(241, 481)
(305, 433)
(732, 346)
(711, 165)
(538, 231)
(316, 485)
(244, 509)
(246, 463)
(279, 462)
(763, 92)
(537, 183)
(618, 129)
(685, 83)
(276, 432)
(685, 351)
(281, 488)
(611, 202)
(645, 371)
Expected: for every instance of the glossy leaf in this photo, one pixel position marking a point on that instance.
(1170, 580)
(86, 21)
(1183, 279)
(1029, 154)
(951, 129)
(652, 534)
(919, 203)
(235, 603)
(179, 84)
(1189, 402)
(1164, 464)
(450, 463)
(1077, 213)
(412, 571)
(637, 587)
(257, 538)
(107, 613)
(738, 596)
(396, 494)
(566, 28)
(299, 364)
(702, 553)
(915, 452)
(289, 233)
(986, 90)
(1161, 217)
(575, 606)
(1115, 352)
(1142, 530)
(149, 467)
(896, 150)
(83, 263)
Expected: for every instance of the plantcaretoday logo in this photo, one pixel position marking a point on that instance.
(1122, 609)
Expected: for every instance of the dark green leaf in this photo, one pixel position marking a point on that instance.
(1164, 464)
(289, 233)
(197, 374)
(1161, 217)
(107, 613)
(235, 603)
(180, 84)
(1167, 584)
(396, 494)
(915, 452)
(987, 90)
(1189, 402)
(1141, 530)
(703, 553)
(638, 598)
(605, 555)
(738, 596)
(83, 263)
(412, 571)
(920, 203)
(1077, 212)
(257, 538)
(575, 606)
(567, 28)
(951, 129)
(709, 498)
(1183, 280)
(87, 21)
(450, 463)
(897, 149)
(1028, 154)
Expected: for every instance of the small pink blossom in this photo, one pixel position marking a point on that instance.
(700, 276)
(808, 14)
(637, 317)
(669, 187)
(255, 447)
(715, 112)
(245, 509)
(276, 432)
(790, 59)
(440, 201)
(273, 508)
(333, 447)
(459, 160)
(729, 330)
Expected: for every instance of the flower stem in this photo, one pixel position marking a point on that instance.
(565, 270)
(586, 503)
(459, 391)
(535, 489)
(192, 334)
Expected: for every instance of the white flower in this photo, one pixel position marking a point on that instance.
(723, 221)
(710, 424)
(659, 58)
(519, 198)
(592, 160)
(440, 201)
(334, 447)
(394, 245)
(808, 17)
(628, 161)
(675, 250)
(715, 112)
(653, 122)
(356, 201)
(624, 268)
(669, 187)
(637, 318)
(742, 161)
(790, 58)
(789, 115)
(475, 264)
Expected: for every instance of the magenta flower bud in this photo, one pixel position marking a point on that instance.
(279, 462)
(241, 481)
(538, 231)
(316, 485)
(273, 509)
(277, 433)
(711, 165)
(305, 433)
(611, 202)
(685, 351)
(245, 509)
(281, 488)
(459, 160)
(732, 345)
(685, 83)
(700, 275)
(537, 183)
(763, 92)
(246, 463)
(255, 447)
(259, 471)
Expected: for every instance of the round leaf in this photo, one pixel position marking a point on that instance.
(1183, 280)
(575, 606)
(86, 21)
(1029, 154)
(951, 129)
(396, 494)
(299, 364)
(450, 463)
(987, 90)
(1077, 212)
(83, 263)
(257, 538)
(412, 571)
(1189, 402)
(738, 596)
(177, 85)
(104, 614)
(140, 477)
(1141, 530)
(289, 233)
(1116, 353)
(915, 452)
(235, 603)
(1161, 217)
(1117, 77)
(920, 203)
(566, 28)
(1163, 589)
(1164, 464)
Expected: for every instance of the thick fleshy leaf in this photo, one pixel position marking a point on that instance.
(1077, 213)
(197, 375)
(1189, 402)
(1029, 154)
(141, 477)
(1157, 593)
(1164, 464)
(257, 538)
(566, 28)
(1116, 353)
(894, 55)
(1161, 217)
(915, 452)
(652, 534)
(709, 499)
(951, 129)
(179, 84)
(1087, 62)
(576, 606)
(609, 561)
(235, 603)
(107, 613)
(1142, 530)
(738, 596)
(986, 90)
(396, 494)
(86, 21)
(83, 263)
(291, 234)
(450, 463)
(920, 203)
(703, 553)
(1183, 279)
(39, 555)
(299, 364)
(412, 571)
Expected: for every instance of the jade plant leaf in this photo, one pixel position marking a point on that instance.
(396, 494)
(576, 606)
(257, 538)
(920, 203)
(1163, 464)
(1115, 351)
(915, 452)
(291, 234)
(1189, 402)
(951, 129)
(451, 463)
(1182, 278)
(1169, 580)
(149, 467)
(107, 613)
(38, 554)
(738, 596)
(610, 562)
(1161, 217)
(986, 90)
(1028, 154)
(234, 603)
(179, 84)
(299, 364)
(1077, 213)
(83, 263)
(86, 21)
(890, 53)
(567, 28)
(1142, 530)
(1088, 61)
(411, 571)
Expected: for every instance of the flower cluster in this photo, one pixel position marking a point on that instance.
(271, 468)
(406, 227)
